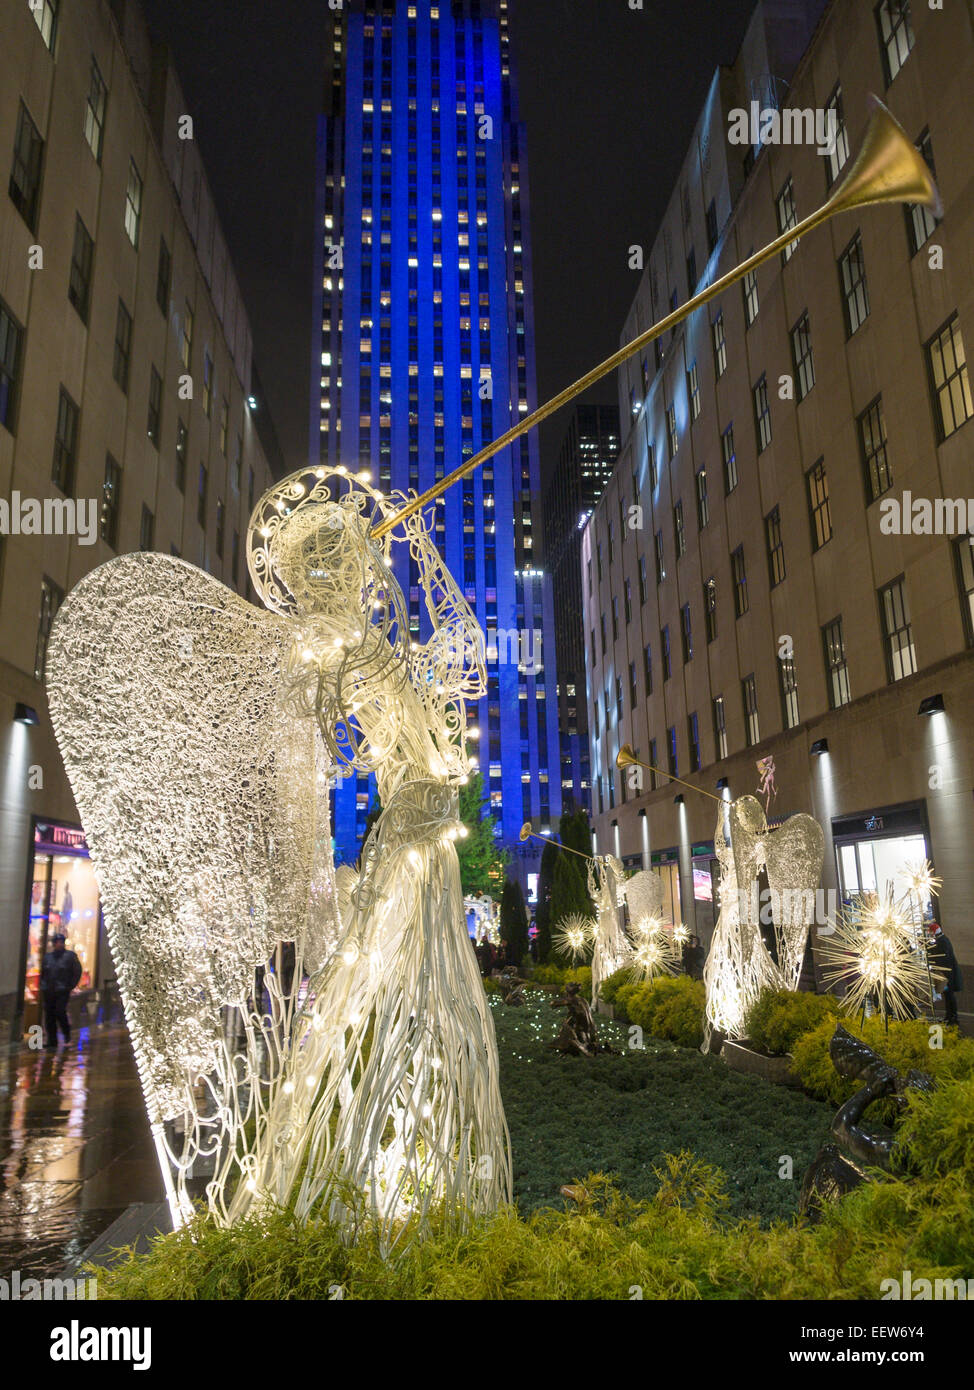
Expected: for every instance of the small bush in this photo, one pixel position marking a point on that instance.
(778, 1018)
(670, 1007)
(906, 1046)
(611, 986)
(558, 976)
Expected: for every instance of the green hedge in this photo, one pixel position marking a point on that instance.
(907, 1045)
(779, 1018)
(669, 1007)
(558, 976)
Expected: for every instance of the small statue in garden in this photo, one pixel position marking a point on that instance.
(579, 1036)
(511, 985)
(833, 1172)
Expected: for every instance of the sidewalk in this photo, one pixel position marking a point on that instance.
(75, 1149)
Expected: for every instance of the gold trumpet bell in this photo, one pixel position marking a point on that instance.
(626, 757)
(887, 169)
(526, 830)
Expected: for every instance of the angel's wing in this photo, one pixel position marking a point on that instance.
(644, 895)
(203, 802)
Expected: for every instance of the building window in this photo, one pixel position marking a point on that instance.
(11, 336)
(654, 777)
(729, 456)
(648, 668)
(776, 549)
(201, 502)
(186, 345)
(207, 384)
(836, 665)
(703, 503)
(111, 490)
(740, 582)
(147, 529)
(693, 391)
(720, 727)
(615, 617)
(628, 600)
(660, 562)
(182, 449)
(45, 17)
(964, 552)
(221, 512)
(25, 175)
(920, 219)
(123, 346)
(79, 279)
(163, 276)
(750, 297)
(51, 599)
(619, 705)
(819, 510)
(686, 633)
(672, 434)
(643, 580)
(633, 691)
(855, 295)
(713, 231)
(65, 443)
(720, 345)
(801, 356)
(602, 629)
(894, 608)
(710, 608)
(95, 110)
(762, 414)
(693, 739)
(951, 384)
(895, 34)
(133, 204)
(788, 683)
(671, 751)
(872, 442)
(224, 426)
(664, 646)
(749, 695)
(155, 406)
(836, 157)
(787, 217)
(679, 531)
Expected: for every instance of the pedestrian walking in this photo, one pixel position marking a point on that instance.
(60, 973)
(940, 954)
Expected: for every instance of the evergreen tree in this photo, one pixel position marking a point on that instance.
(569, 894)
(482, 861)
(542, 915)
(514, 922)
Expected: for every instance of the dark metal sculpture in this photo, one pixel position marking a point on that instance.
(511, 985)
(839, 1167)
(579, 1036)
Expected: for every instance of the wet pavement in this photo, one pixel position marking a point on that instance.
(75, 1148)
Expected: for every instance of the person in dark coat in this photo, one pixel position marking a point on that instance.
(940, 954)
(60, 974)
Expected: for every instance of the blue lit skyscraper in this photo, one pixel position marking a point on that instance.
(424, 346)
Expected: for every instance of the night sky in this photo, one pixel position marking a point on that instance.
(609, 96)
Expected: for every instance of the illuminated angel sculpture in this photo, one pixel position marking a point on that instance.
(740, 964)
(203, 789)
(394, 1092)
(611, 947)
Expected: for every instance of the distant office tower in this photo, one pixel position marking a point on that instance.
(585, 463)
(424, 345)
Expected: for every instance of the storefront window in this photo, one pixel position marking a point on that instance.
(872, 849)
(63, 897)
(666, 863)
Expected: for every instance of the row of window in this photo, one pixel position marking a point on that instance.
(899, 649)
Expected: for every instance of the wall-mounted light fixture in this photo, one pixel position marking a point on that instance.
(933, 704)
(678, 799)
(24, 714)
(820, 746)
(722, 784)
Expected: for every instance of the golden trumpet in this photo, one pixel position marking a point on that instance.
(888, 169)
(627, 758)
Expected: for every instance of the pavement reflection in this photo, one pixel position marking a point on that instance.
(75, 1149)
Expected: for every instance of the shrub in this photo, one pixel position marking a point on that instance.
(778, 1018)
(611, 986)
(937, 1131)
(670, 1007)
(558, 976)
(908, 1044)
